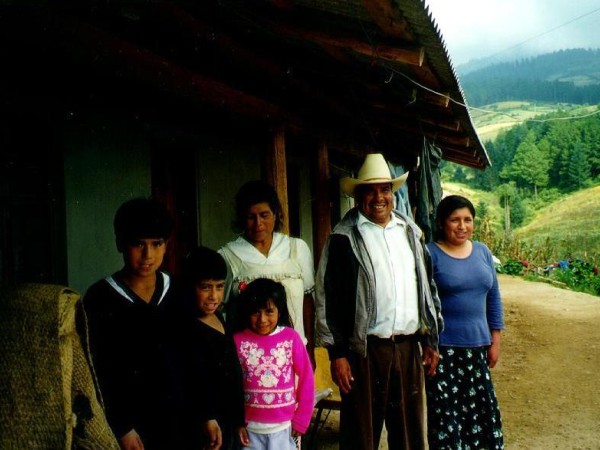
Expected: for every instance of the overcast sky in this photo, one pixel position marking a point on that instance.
(510, 29)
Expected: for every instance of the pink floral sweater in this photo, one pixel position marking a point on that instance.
(270, 365)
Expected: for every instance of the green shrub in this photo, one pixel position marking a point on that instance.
(510, 267)
(579, 276)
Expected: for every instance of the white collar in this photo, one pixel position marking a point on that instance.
(394, 221)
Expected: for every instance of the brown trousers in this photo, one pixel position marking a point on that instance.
(388, 387)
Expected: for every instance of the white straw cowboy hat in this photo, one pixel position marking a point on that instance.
(373, 171)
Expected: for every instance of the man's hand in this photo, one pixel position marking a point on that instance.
(214, 434)
(430, 360)
(131, 441)
(341, 374)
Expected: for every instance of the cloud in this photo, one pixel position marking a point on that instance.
(509, 29)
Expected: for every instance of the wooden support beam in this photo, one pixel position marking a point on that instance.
(322, 203)
(276, 173)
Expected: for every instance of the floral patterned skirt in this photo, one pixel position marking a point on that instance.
(462, 408)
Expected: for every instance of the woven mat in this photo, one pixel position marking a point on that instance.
(47, 392)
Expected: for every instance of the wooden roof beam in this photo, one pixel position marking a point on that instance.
(432, 132)
(249, 58)
(416, 99)
(464, 161)
(407, 54)
(451, 125)
(442, 99)
(141, 65)
(394, 106)
(459, 141)
(465, 156)
(430, 120)
(411, 56)
(388, 19)
(381, 11)
(443, 140)
(464, 151)
(446, 146)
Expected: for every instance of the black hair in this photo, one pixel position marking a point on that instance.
(446, 207)
(203, 263)
(254, 192)
(141, 218)
(257, 295)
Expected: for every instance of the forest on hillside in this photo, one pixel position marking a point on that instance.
(537, 162)
(565, 76)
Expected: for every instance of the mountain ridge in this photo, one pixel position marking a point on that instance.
(565, 76)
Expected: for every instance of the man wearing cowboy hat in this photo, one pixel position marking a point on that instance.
(378, 315)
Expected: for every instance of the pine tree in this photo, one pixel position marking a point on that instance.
(578, 169)
(506, 193)
(530, 164)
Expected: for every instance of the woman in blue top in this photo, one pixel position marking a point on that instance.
(462, 406)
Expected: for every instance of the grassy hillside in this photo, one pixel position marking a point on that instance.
(489, 120)
(472, 194)
(569, 227)
(477, 196)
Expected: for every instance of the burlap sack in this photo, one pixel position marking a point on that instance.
(48, 396)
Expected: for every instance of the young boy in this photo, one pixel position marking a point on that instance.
(130, 333)
(214, 386)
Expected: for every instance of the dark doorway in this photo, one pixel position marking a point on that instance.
(32, 230)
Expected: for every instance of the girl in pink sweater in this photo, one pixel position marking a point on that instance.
(279, 385)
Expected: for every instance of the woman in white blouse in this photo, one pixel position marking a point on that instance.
(261, 251)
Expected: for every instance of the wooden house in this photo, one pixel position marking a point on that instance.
(102, 101)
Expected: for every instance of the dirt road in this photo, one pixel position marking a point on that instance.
(547, 379)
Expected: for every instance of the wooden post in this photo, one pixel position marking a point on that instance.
(276, 173)
(322, 204)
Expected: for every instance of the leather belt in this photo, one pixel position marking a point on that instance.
(398, 338)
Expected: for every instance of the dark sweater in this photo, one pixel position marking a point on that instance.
(214, 379)
(132, 352)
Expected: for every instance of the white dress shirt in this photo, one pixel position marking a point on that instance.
(395, 277)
